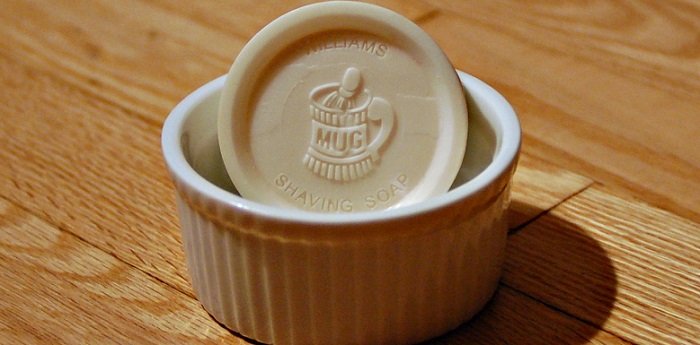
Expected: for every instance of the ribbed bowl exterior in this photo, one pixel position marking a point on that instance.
(394, 289)
(391, 277)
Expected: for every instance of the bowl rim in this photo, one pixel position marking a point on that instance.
(503, 120)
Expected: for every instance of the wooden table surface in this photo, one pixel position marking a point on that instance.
(604, 245)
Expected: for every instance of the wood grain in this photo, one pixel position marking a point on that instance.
(607, 89)
(58, 289)
(539, 186)
(90, 168)
(90, 248)
(142, 56)
(515, 318)
(130, 53)
(624, 266)
(251, 16)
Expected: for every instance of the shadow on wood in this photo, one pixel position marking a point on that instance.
(558, 287)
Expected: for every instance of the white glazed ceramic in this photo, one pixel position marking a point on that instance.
(397, 276)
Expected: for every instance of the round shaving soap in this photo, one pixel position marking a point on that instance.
(342, 107)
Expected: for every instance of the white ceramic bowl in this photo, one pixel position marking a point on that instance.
(397, 276)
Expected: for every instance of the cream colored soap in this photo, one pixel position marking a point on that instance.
(342, 107)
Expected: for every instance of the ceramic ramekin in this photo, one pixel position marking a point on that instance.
(396, 276)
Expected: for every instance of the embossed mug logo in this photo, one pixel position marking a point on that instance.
(342, 147)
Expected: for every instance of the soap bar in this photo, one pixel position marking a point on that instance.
(342, 107)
